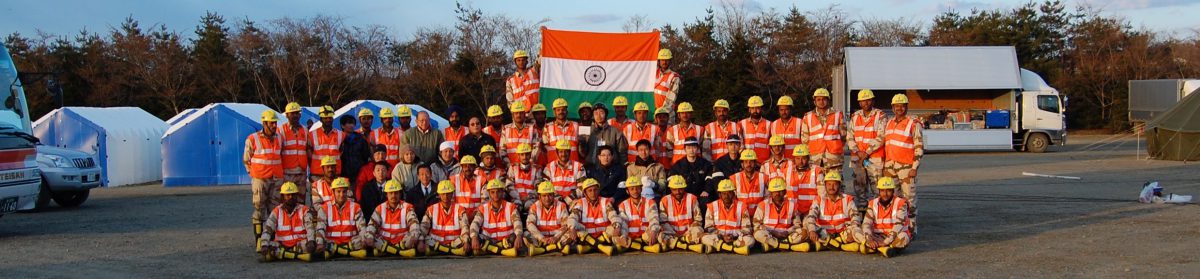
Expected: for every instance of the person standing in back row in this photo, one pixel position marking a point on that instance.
(866, 146)
(824, 131)
(263, 159)
(295, 149)
(666, 82)
(903, 148)
(423, 140)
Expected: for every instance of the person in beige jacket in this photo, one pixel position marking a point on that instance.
(645, 165)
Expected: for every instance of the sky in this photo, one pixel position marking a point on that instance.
(404, 17)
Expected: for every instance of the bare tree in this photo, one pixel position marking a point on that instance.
(637, 23)
(889, 32)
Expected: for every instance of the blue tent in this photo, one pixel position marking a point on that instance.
(205, 148)
(124, 140)
(183, 114)
(352, 109)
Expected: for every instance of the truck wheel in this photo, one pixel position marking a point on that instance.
(1037, 143)
(71, 199)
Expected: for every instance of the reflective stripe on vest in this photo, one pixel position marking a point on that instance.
(833, 217)
(886, 218)
(717, 135)
(454, 135)
(864, 129)
(266, 161)
(790, 131)
(395, 221)
(727, 220)
(390, 141)
(679, 135)
(802, 188)
(565, 179)
(325, 145)
(662, 87)
(549, 221)
(498, 223)
(899, 142)
(827, 136)
(750, 190)
(620, 126)
(635, 216)
(523, 181)
(554, 133)
(295, 147)
(594, 217)
(289, 228)
(633, 134)
(445, 227)
(468, 193)
(339, 223)
(679, 213)
(778, 220)
(756, 137)
(514, 137)
(321, 188)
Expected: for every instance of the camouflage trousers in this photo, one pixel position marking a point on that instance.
(865, 178)
(767, 239)
(714, 240)
(691, 236)
(903, 173)
(826, 160)
(900, 241)
(264, 194)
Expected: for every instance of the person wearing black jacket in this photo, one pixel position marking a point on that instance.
(424, 193)
(728, 165)
(370, 194)
(609, 174)
(696, 171)
(475, 139)
(356, 151)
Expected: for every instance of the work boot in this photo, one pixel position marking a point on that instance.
(442, 248)
(258, 228)
(359, 254)
(784, 246)
(488, 246)
(567, 250)
(259, 245)
(678, 244)
(852, 247)
(606, 249)
(591, 240)
(636, 245)
(460, 251)
(510, 252)
(867, 250)
(725, 247)
(407, 253)
(534, 251)
(768, 246)
(803, 247)
(552, 247)
(888, 252)
(835, 243)
(341, 250)
(657, 248)
(743, 250)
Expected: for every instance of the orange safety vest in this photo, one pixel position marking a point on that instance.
(549, 221)
(664, 155)
(727, 220)
(635, 216)
(565, 178)
(887, 217)
(295, 147)
(612, 122)
(679, 213)
(777, 170)
(790, 131)
(497, 222)
(554, 133)
(454, 135)
(833, 216)
(391, 141)
(802, 187)
(594, 217)
(717, 136)
(322, 189)
(756, 137)
(525, 87)
(339, 223)
(900, 145)
(633, 134)
(395, 221)
(325, 145)
(864, 129)
(489, 174)
(487, 129)
(750, 190)
(468, 193)
(662, 87)
(514, 137)
(445, 227)
(778, 219)
(824, 137)
(289, 227)
(681, 133)
(524, 181)
(266, 161)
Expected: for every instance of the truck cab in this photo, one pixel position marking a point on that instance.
(1041, 113)
(20, 178)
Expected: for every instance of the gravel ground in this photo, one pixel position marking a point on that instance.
(980, 218)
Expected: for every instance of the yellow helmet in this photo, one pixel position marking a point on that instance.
(520, 53)
(340, 182)
(467, 160)
(664, 54)
(725, 185)
(562, 144)
(775, 140)
(486, 149)
(865, 94)
(899, 99)
(585, 105)
(386, 113)
(326, 111)
(661, 110)
(538, 107)
(784, 101)
(445, 187)
(546, 187)
(560, 103)
(269, 115)
(676, 182)
(403, 111)
(641, 106)
(524, 148)
(633, 181)
(620, 101)
(289, 188)
(886, 183)
(365, 112)
(722, 103)
(800, 150)
(494, 111)
(329, 161)
(684, 107)
(821, 92)
(834, 175)
(588, 183)
(392, 186)
(754, 102)
(292, 107)
(494, 184)
(748, 155)
(518, 106)
(777, 184)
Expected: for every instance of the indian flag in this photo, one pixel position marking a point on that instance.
(597, 67)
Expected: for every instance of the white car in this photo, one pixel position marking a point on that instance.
(67, 176)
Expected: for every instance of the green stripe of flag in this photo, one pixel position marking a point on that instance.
(575, 97)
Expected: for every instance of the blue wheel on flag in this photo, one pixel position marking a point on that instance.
(594, 75)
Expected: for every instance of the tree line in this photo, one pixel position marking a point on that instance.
(728, 53)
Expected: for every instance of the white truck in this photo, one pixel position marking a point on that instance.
(20, 178)
(971, 98)
(1148, 98)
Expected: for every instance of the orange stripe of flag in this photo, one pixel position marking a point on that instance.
(600, 46)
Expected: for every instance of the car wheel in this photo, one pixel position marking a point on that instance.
(1037, 143)
(71, 199)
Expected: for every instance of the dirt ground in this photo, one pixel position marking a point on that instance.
(980, 218)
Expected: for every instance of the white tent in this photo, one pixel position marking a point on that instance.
(124, 139)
